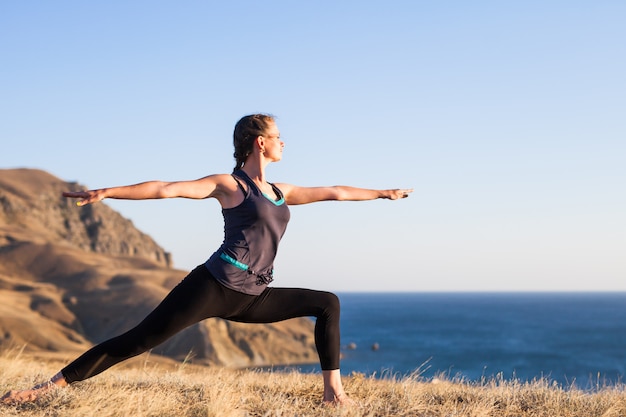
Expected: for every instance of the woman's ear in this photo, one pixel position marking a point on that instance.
(260, 141)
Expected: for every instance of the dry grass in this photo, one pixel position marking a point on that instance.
(157, 389)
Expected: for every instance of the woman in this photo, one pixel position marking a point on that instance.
(233, 283)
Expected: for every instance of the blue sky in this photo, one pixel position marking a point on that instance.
(507, 118)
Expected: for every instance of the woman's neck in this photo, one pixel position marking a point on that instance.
(256, 172)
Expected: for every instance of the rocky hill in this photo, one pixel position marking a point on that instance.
(74, 276)
(31, 200)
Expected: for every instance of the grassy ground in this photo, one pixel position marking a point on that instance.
(150, 388)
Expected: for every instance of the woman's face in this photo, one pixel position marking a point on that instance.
(272, 143)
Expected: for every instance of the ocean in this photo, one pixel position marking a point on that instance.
(573, 339)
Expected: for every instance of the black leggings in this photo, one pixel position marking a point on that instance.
(200, 296)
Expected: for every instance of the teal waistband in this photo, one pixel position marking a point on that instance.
(262, 279)
(234, 262)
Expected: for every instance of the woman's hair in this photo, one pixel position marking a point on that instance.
(247, 129)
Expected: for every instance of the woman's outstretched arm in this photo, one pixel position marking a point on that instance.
(210, 186)
(303, 195)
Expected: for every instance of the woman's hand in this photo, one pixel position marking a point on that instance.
(400, 193)
(86, 197)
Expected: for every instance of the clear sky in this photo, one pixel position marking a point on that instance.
(508, 118)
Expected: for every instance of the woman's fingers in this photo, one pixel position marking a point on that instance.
(75, 194)
(402, 193)
(87, 197)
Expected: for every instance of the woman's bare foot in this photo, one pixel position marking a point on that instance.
(334, 395)
(18, 397)
(28, 395)
(341, 400)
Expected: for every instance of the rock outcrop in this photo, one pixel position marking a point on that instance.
(31, 200)
(71, 277)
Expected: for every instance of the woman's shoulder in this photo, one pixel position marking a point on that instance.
(217, 179)
(284, 187)
(218, 183)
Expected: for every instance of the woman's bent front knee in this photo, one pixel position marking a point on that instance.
(331, 304)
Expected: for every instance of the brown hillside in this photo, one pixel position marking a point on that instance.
(31, 200)
(74, 276)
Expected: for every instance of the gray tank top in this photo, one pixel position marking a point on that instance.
(252, 230)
